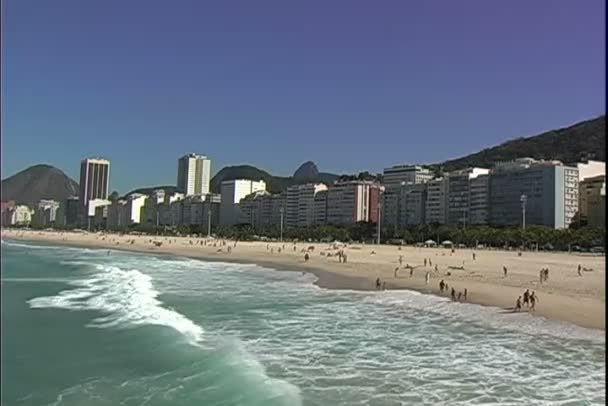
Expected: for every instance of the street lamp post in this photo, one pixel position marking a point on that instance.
(281, 211)
(523, 200)
(379, 220)
(209, 222)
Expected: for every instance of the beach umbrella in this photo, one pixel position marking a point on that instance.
(430, 242)
(447, 243)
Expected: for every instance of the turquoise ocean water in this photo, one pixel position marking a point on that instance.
(81, 327)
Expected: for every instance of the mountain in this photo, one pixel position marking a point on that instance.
(38, 182)
(579, 142)
(307, 172)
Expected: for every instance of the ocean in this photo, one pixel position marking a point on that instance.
(84, 327)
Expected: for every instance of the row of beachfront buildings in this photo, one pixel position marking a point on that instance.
(523, 191)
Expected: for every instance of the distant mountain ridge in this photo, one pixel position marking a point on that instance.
(581, 141)
(36, 183)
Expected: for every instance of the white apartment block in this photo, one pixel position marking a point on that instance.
(300, 204)
(590, 169)
(133, 208)
(320, 208)
(193, 174)
(232, 191)
(46, 212)
(19, 215)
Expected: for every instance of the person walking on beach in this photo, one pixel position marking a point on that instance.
(436, 269)
(377, 283)
(453, 294)
(401, 261)
(424, 261)
(430, 262)
(541, 275)
(396, 269)
(518, 304)
(533, 300)
(579, 270)
(473, 256)
(465, 294)
(411, 271)
(504, 270)
(441, 286)
(546, 274)
(527, 297)
(459, 296)
(306, 257)
(427, 277)
(447, 288)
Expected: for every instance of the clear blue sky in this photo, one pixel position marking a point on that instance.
(352, 85)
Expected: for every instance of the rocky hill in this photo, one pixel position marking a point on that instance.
(38, 182)
(579, 142)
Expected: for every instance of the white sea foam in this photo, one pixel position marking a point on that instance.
(128, 298)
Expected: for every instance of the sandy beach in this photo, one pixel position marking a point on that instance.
(566, 296)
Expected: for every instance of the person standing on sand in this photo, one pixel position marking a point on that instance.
(306, 257)
(430, 262)
(411, 271)
(436, 269)
(579, 270)
(446, 287)
(424, 261)
(427, 277)
(396, 269)
(401, 261)
(473, 256)
(453, 294)
(459, 296)
(518, 304)
(541, 274)
(504, 270)
(377, 283)
(441, 286)
(465, 294)
(533, 300)
(384, 285)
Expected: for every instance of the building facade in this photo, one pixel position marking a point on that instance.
(436, 201)
(193, 174)
(46, 213)
(300, 204)
(94, 184)
(352, 202)
(592, 201)
(395, 176)
(459, 194)
(550, 190)
(232, 191)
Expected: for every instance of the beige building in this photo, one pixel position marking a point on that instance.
(592, 201)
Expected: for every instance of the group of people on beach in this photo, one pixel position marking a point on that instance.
(529, 300)
(443, 286)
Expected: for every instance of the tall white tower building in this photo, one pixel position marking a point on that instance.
(193, 174)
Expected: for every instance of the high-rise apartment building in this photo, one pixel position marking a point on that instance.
(459, 194)
(352, 202)
(436, 201)
(550, 189)
(397, 180)
(232, 191)
(592, 201)
(300, 204)
(94, 183)
(193, 174)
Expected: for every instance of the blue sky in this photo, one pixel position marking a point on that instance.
(352, 85)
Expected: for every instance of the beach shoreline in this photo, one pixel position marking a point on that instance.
(565, 297)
